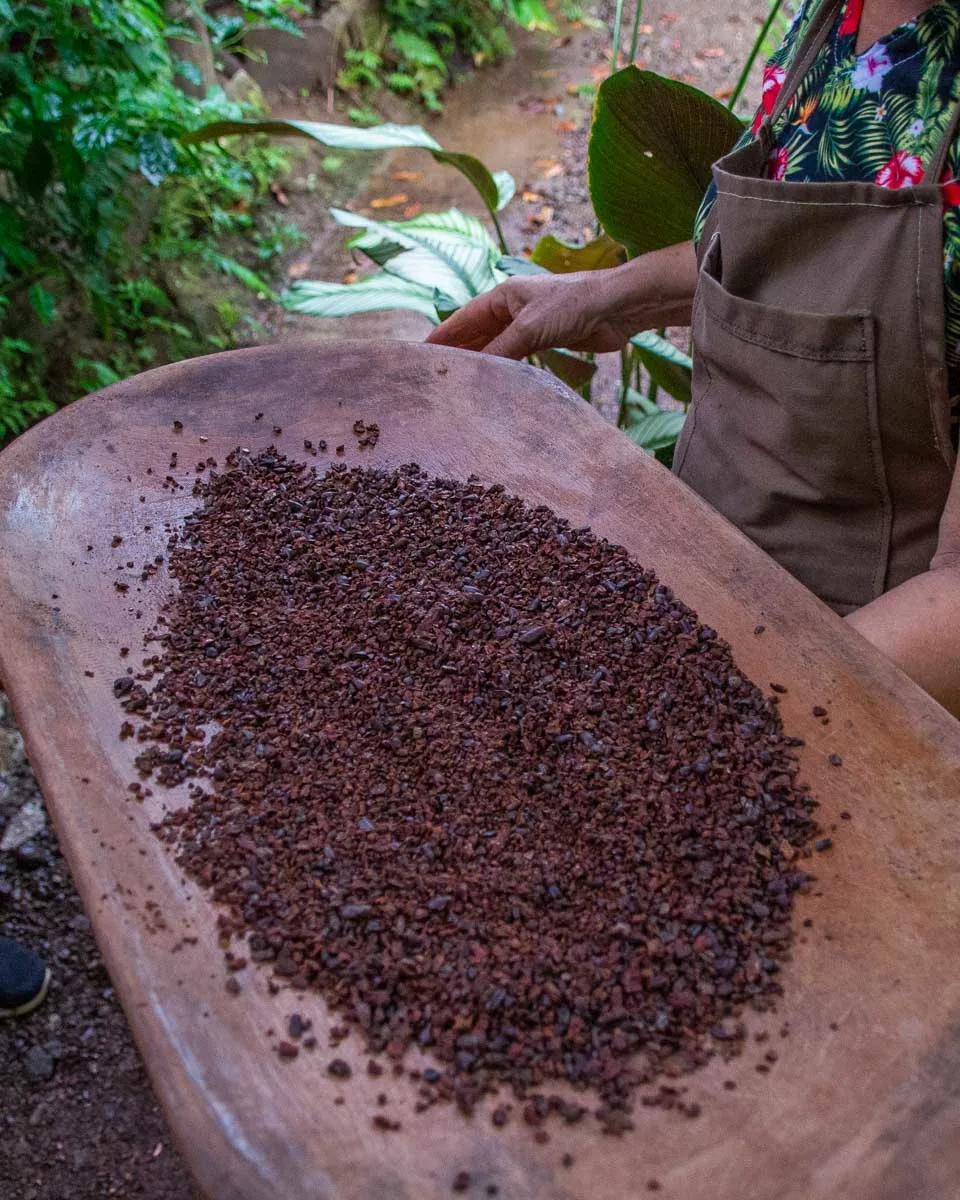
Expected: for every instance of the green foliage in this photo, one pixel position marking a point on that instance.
(96, 186)
(562, 258)
(432, 264)
(668, 367)
(229, 29)
(23, 398)
(495, 189)
(651, 146)
(426, 39)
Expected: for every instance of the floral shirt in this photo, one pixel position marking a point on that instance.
(879, 116)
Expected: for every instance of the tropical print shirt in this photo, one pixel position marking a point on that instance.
(879, 116)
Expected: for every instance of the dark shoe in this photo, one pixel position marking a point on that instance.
(24, 979)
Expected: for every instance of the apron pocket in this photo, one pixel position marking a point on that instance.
(785, 441)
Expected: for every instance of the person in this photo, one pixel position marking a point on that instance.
(823, 290)
(24, 979)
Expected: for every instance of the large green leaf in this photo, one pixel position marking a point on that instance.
(653, 343)
(376, 293)
(506, 188)
(513, 264)
(633, 406)
(657, 432)
(576, 372)
(448, 250)
(425, 269)
(379, 137)
(652, 144)
(667, 366)
(561, 257)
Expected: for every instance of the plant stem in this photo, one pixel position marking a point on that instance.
(499, 228)
(617, 22)
(775, 7)
(636, 30)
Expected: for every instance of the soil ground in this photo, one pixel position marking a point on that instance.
(78, 1119)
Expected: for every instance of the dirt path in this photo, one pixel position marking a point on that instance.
(78, 1120)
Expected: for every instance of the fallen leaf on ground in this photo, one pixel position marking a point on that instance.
(405, 176)
(298, 269)
(24, 825)
(411, 211)
(646, 30)
(349, 277)
(277, 192)
(543, 217)
(565, 126)
(714, 52)
(553, 171)
(390, 201)
(530, 197)
(723, 93)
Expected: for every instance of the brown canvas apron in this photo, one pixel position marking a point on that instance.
(820, 423)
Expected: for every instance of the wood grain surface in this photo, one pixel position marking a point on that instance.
(863, 1102)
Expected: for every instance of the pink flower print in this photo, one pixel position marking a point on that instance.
(871, 68)
(902, 171)
(773, 78)
(777, 163)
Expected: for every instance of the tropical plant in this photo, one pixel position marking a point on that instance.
(95, 187)
(652, 143)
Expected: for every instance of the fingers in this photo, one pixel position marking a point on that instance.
(471, 327)
(516, 341)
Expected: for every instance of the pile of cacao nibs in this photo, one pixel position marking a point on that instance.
(478, 779)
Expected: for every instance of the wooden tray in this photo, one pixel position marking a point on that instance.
(864, 1100)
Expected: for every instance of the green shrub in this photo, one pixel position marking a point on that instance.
(425, 39)
(95, 186)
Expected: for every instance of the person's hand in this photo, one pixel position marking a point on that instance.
(592, 311)
(541, 312)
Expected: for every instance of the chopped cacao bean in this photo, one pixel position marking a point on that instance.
(541, 852)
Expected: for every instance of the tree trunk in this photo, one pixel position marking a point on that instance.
(199, 53)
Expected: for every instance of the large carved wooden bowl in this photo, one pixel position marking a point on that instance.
(864, 1100)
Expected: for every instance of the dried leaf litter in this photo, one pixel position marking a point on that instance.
(479, 779)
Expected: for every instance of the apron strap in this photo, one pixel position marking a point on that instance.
(810, 47)
(939, 161)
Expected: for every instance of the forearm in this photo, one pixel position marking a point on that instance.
(655, 289)
(917, 625)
